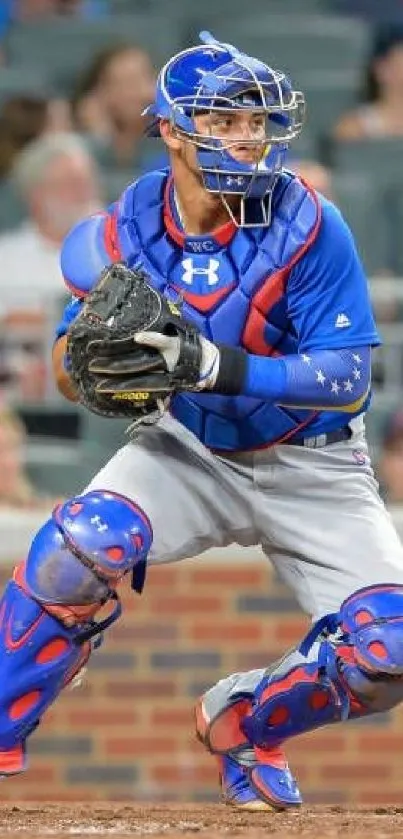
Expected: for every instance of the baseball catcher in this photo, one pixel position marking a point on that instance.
(266, 368)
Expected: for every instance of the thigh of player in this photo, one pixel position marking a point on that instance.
(192, 500)
(323, 524)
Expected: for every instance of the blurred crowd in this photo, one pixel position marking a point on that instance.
(68, 152)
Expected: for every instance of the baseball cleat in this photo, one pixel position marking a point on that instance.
(235, 788)
(262, 787)
(275, 785)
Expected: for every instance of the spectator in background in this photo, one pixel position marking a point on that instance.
(23, 119)
(83, 8)
(380, 116)
(15, 488)
(390, 463)
(315, 174)
(23, 11)
(108, 103)
(58, 183)
(29, 10)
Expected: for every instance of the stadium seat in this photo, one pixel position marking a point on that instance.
(387, 11)
(375, 421)
(305, 147)
(298, 43)
(356, 195)
(102, 434)
(17, 81)
(226, 11)
(65, 47)
(63, 450)
(383, 159)
(328, 95)
(61, 470)
(394, 196)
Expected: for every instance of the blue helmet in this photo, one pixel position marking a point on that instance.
(218, 77)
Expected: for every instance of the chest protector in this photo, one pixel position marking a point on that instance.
(233, 284)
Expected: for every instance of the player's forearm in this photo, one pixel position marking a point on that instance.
(62, 377)
(322, 379)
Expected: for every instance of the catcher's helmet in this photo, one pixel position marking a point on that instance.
(218, 77)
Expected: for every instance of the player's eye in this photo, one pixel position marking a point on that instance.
(222, 123)
(258, 123)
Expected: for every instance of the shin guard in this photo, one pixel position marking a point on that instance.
(349, 665)
(47, 611)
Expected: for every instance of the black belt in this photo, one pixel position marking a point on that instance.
(322, 440)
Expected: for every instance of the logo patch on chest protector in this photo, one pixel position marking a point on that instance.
(203, 281)
(209, 272)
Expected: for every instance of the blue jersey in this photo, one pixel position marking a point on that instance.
(293, 288)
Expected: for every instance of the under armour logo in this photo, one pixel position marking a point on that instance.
(239, 180)
(210, 272)
(100, 525)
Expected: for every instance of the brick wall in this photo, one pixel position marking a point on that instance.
(127, 733)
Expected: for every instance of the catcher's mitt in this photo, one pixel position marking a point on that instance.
(114, 375)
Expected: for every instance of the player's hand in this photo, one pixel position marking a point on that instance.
(170, 345)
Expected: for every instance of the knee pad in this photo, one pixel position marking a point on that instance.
(80, 554)
(46, 612)
(371, 657)
(372, 621)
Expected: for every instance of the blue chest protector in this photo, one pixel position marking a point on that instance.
(233, 287)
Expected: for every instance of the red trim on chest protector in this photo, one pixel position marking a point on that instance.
(222, 235)
(111, 238)
(204, 302)
(272, 291)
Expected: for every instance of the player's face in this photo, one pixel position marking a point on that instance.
(242, 133)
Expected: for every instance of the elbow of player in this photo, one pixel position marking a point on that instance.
(63, 381)
(359, 401)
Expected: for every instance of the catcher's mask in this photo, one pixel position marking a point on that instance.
(215, 78)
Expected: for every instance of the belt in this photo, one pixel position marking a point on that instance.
(322, 440)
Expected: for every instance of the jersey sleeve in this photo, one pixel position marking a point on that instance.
(328, 297)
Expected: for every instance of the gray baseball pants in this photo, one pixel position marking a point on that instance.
(315, 512)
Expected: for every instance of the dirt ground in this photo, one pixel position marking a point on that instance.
(176, 821)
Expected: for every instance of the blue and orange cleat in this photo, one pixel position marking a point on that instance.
(235, 787)
(261, 786)
(250, 778)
